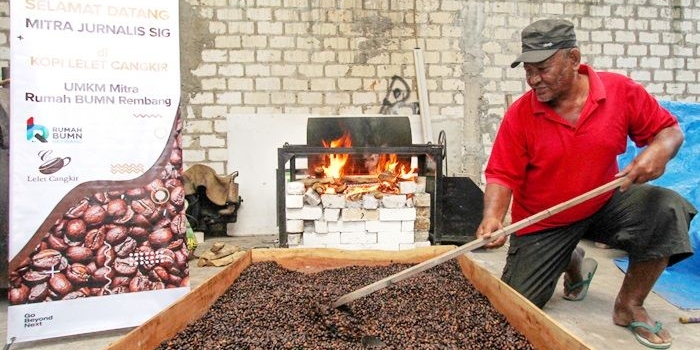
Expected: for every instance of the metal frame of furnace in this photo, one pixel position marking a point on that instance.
(289, 153)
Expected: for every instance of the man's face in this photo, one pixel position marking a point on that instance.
(551, 78)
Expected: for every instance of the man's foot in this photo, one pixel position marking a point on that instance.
(574, 277)
(648, 332)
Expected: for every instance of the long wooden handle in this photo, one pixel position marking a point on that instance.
(477, 243)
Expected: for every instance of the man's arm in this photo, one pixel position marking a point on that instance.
(651, 162)
(496, 202)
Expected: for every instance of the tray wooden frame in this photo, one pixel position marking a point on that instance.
(540, 329)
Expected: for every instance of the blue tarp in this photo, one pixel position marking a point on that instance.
(679, 283)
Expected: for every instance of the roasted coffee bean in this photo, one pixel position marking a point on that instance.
(178, 225)
(57, 243)
(94, 215)
(160, 237)
(18, 295)
(269, 307)
(177, 196)
(95, 238)
(101, 197)
(104, 255)
(116, 208)
(125, 266)
(103, 275)
(75, 230)
(75, 295)
(46, 259)
(165, 257)
(60, 284)
(78, 210)
(159, 273)
(138, 233)
(32, 277)
(79, 254)
(116, 234)
(144, 206)
(126, 218)
(38, 293)
(126, 248)
(78, 273)
(139, 284)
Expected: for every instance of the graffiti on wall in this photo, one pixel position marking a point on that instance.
(397, 94)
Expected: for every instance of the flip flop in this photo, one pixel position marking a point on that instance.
(588, 268)
(644, 341)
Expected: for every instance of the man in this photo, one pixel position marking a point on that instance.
(561, 139)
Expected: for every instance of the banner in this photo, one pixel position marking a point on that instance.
(97, 223)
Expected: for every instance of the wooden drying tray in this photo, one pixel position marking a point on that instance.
(541, 330)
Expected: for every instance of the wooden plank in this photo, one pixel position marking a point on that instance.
(189, 308)
(540, 329)
(317, 259)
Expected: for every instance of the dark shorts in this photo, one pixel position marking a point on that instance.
(648, 222)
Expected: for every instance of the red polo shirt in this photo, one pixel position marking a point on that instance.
(545, 160)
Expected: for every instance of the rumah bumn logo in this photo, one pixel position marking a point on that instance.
(36, 131)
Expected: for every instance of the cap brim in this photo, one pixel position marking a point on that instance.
(533, 56)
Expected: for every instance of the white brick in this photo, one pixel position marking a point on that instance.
(295, 226)
(357, 237)
(322, 238)
(331, 214)
(294, 239)
(407, 187)
(321, 226)
(352, 226)
(379, 226)
(408, 226)
(312, 197)
(397, 214)
(370, 202)
(307, 212)
(294, 201)
(394, 201)
(333, 201)
(395, 237)
(295, 187)
(358, 214)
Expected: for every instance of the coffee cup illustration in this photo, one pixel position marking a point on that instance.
(52, 165)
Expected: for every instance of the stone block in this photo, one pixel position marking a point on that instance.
(336, 201)
(397, 214)
(379, 226)
(408, 226)
(370, 202)
(321, 226)
(358, 214)
(421, 236)
(326, 239)
(395, 237)
(295, 226)
(358, 237)
(407, 187)
(421, 200)
(331, 214)
(294, 239)
(394, 201)
(312, 197)
(306, 212)
(294, 201)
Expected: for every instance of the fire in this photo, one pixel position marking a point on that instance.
(336, 162)
(388, 168)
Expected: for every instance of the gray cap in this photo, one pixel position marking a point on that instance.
(543, 38)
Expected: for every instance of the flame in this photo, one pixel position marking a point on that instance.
(388, 168)
(336, 162)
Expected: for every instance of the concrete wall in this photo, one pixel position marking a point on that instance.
(328, 57)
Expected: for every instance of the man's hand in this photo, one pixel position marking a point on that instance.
(651, 162)
(487, 227)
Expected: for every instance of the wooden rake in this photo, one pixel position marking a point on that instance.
(477, 243)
